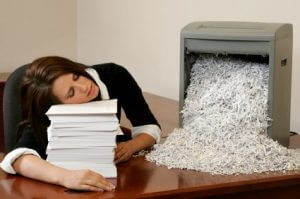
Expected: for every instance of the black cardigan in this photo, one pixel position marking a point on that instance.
(120, 85)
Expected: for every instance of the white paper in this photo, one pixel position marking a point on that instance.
(90, 108)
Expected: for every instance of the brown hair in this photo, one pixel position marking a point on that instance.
(36, 91)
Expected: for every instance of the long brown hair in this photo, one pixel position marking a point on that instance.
(36, 91)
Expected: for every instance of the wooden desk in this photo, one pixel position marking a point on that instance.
(139, 178)
(165, 110)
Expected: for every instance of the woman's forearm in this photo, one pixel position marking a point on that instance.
(142, 141)
(34, 167)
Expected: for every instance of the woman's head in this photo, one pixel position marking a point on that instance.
(73, 88)
(53, 80)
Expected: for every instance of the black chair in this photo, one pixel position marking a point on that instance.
(12, 110)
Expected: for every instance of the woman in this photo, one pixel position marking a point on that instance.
(54, 80)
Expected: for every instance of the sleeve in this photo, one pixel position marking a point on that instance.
(27, 144)
(135, 107)
(10, 158)
(29, 140)
(152, 130)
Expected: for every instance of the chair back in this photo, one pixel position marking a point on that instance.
(12, 109)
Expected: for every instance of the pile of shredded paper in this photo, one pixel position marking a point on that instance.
(225, 120)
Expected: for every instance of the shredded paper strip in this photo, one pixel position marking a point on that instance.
(225, 120)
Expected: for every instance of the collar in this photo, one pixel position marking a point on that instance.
(103, 90)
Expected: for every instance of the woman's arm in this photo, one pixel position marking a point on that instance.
(122, 86)
(36, 168)
(125, 150)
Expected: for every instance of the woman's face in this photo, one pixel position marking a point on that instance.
(74, 89)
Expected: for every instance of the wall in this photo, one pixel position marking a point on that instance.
(34, 28)
(143, 35)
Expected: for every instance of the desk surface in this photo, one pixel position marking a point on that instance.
(165, 110)
(139, 178)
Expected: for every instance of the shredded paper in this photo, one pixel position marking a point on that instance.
(225, 121)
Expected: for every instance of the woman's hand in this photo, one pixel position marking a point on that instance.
(123, 152)
(85, 180)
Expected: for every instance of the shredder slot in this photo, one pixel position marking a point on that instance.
(228, 47)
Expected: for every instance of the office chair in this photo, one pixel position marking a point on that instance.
(12, 110)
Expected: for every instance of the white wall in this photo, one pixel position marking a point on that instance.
(33, 28)
(143, 35)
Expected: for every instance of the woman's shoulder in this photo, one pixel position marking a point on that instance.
(107, 66)
(110, 68)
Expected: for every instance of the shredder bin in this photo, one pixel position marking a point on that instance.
(271, 41)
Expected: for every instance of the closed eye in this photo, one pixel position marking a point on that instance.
(75, 77)
(71, 92)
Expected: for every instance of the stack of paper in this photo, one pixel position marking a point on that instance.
(83, 136)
